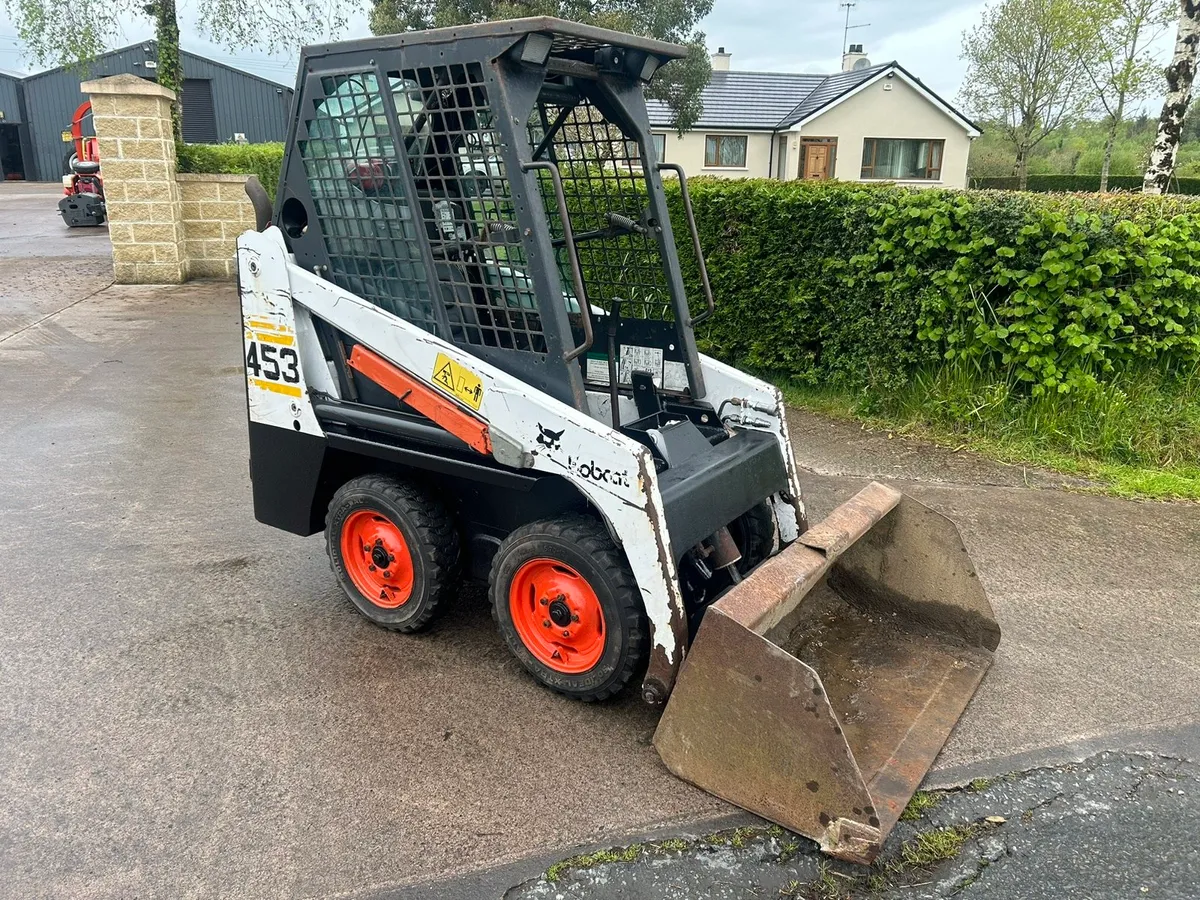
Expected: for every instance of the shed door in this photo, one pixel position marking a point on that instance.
(199, 117)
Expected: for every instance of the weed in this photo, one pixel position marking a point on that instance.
(921, 802)
(826, 887)
(937, 845)
(981, 784)
(587, 860)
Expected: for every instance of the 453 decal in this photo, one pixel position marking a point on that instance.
(272, 362)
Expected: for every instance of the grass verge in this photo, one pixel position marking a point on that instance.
(1136, 435)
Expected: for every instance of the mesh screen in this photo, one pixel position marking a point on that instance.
(368, 223)
(605, 184)
(466, 207)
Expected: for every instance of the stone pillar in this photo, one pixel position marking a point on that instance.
(132, 118)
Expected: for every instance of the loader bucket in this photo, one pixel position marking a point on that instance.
(818, 691)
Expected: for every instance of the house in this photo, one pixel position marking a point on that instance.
(219, 102)
(865, 123)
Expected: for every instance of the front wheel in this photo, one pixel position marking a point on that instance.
(393, 548)
(566, 602)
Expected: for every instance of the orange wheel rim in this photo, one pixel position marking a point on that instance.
(558, 616)
(377, 558)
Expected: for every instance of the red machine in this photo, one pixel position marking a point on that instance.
(83, 189)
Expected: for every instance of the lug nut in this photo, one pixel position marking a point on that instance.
(574, 617)
(544, 601)
(566, 633)
(387, 574)
(372, 568)
(546, 623)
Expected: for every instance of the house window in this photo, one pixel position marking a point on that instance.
(725, 151)
(902, 159)
(660, 146)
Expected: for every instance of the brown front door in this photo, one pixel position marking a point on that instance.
(816, 161)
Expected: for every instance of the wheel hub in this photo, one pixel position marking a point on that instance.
(560, 613)
(380, 556)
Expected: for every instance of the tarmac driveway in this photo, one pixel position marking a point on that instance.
(189, 708)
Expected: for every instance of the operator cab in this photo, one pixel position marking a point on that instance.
(496, 185)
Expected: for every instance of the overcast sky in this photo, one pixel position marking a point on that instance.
(925, 36)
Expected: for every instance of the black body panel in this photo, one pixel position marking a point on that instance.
(285, 469)
(708, 490)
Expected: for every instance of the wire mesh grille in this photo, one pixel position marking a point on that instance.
(607, 198)
(366, 219)
(466, 206)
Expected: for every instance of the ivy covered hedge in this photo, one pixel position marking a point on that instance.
(855, 284)
(1087, 183)
(263, 160)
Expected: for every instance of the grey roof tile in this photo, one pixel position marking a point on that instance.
(829, 90)
(745, 99)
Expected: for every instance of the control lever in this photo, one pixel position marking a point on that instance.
(614, 326)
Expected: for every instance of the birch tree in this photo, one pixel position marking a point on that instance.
(1026, 68)
(1125, 70)
(1180, 74)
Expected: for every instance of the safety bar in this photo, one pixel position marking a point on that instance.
(691, 222)
(572, 257)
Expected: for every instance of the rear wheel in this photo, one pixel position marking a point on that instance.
(393, 548)
(566, 602)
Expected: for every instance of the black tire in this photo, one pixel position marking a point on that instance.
(756, 535)
(583, 545)
(428, 531)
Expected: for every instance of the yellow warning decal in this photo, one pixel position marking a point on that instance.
(457, 381)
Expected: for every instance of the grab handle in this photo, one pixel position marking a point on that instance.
(572, 257)
(691, 223)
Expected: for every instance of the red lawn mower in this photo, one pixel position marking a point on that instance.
(82, 204)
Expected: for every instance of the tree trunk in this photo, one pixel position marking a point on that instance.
(1021, 169)
(1180, 74)
(1111, 139)
(170, 72)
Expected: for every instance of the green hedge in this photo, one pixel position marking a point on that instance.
(263, 160)
(838, 282)
(1086, 183)
(850, 284)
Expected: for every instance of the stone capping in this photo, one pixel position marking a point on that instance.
(209, 177)
(126, 85)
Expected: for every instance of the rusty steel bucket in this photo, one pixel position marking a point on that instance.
(818, 692)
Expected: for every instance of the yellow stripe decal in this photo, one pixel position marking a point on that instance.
(265, 325)
(290, 389)
(285, 340)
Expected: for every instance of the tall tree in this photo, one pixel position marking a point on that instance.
(1180, 74)
(1026, 68)
(679, 85)
(67, 33)
(1125, 69)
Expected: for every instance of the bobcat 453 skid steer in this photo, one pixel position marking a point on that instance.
(469, 351)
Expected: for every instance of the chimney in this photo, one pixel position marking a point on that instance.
(720, 60)
(854, 58)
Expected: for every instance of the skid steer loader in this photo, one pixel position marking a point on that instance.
(470, 352)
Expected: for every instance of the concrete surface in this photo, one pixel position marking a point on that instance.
(1115, 826)
(188, 707)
